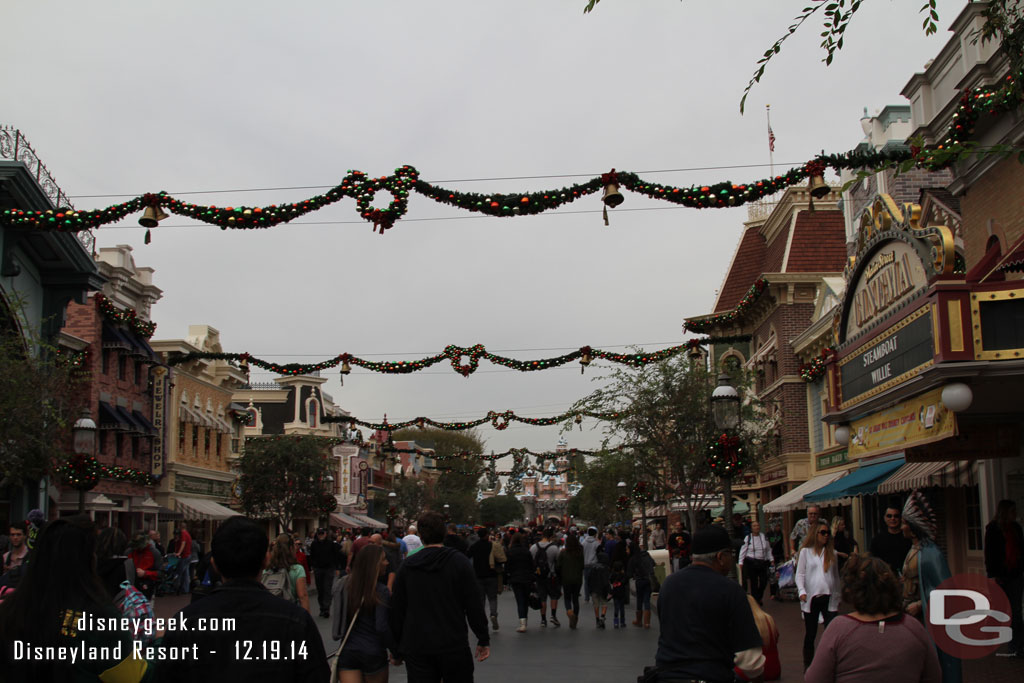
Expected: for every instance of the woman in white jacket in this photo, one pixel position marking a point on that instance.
(817, 582)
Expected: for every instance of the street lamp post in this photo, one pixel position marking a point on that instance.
(84, 435)
(392, 499)
(725, 408)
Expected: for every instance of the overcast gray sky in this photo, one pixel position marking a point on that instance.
(125, 98)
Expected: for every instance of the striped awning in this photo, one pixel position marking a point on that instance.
(794, 498)
(199, 508)
(346, 521)
(368, 521)
(916, 475)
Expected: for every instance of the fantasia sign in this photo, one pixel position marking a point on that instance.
(892, 275)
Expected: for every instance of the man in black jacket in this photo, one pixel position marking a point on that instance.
(435, 594)
(322, 559)
(267, 639)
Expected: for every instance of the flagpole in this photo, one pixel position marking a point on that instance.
(771, 146)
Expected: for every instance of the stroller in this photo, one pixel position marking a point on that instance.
(168, 584)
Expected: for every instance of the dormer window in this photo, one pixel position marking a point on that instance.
(312, 413)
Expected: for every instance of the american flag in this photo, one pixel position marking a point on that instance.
(771, 139)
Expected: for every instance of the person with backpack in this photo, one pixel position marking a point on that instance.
(600, 586)
(545, 558)
(284, 577)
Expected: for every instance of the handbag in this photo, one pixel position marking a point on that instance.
(533, 599)
(335, 671)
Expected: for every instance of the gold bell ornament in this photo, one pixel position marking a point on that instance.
(612, 197)
(152, 214)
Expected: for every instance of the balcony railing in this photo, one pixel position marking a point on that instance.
(15, 147)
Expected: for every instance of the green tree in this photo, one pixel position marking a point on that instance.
(597, 500)
(501, 510)
(282, 478)
(413, 495)
(40, 398)
(667, 428)
(448, 446)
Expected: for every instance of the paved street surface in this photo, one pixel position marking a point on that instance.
(613, 656)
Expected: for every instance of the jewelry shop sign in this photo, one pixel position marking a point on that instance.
(914, 422)
(892, 357)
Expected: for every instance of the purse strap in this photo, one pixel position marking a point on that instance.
(349, 630)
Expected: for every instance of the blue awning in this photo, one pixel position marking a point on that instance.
(856, 483)
(111, 418)
(114, 338)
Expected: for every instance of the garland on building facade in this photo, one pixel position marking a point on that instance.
(728, 317)
(83, 472)
(128, 316)
(814, 369)
(359, 186)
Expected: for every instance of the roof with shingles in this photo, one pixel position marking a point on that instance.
(819, 243)
(747, 265)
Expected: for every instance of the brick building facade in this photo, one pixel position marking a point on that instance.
(114, 326)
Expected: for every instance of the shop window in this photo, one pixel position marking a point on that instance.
(135, 447)
(106, 361)
(234, 445)
(217, 446)
(975, 533)
(102, 442)
(138, 372)
(118, 446)
(122, 366)
(181, 438)
(195, 441)
(206, 443)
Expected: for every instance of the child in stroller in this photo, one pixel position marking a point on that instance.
(168, 584)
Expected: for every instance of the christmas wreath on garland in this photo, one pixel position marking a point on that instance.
(81, 472)
(623, 503)
(642, 492)
(726, 457)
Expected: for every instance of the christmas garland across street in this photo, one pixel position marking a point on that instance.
(359, 186)
(455, 355)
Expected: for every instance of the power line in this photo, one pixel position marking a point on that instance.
(435, 182)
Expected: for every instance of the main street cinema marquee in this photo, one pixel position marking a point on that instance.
(894, 323)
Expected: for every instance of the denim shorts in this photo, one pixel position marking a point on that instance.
(369, 664)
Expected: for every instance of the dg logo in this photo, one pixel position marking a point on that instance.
(969, 616)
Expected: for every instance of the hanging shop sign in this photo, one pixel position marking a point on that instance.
(206, 487)
(892, 357)
(917, 421)
(835, 459)
(159, 374)
(773, 475)
(346, 454)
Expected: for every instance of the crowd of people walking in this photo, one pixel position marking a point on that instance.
(417, 600)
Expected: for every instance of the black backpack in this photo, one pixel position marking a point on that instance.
(544, 568)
